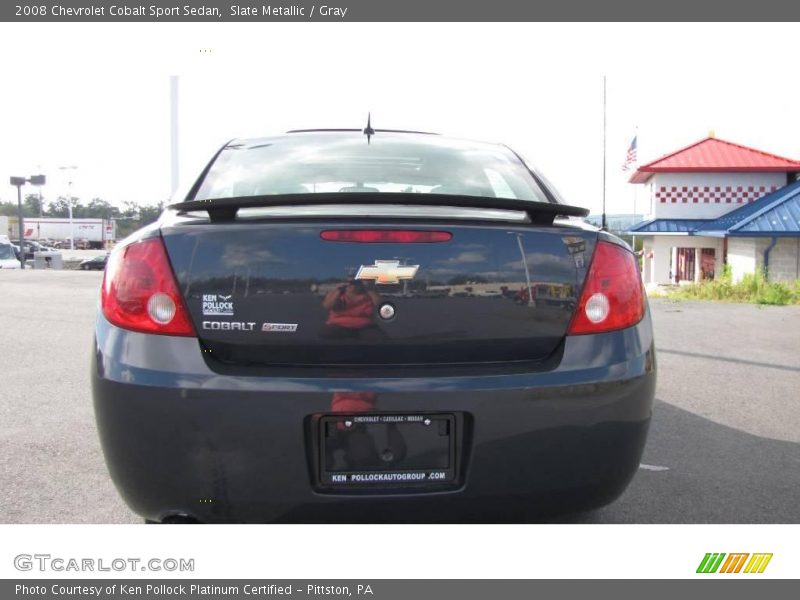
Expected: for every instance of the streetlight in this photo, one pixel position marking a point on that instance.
(69, 204)
(18, 182)
(41, 203)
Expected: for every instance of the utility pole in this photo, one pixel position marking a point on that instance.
(41, 202)
(69, 205)
(71, 226)
(173, 131)
(18, 182)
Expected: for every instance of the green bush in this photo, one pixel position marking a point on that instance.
(753, 288)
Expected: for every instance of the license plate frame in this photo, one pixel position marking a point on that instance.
(415, 473)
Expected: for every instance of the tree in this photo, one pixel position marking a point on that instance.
(59, 208)
(131, 217)
(8, 209)
(150, 214)
(30, 207)
(130, 210)
(99, 208)
(134, 216)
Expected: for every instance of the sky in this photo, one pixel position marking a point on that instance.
(96, 96)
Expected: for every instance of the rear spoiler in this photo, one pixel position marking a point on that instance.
(225, 209)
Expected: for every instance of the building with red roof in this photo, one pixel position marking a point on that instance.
(712, 155)
(697, 185)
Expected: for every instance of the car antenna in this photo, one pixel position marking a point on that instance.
(368, 130)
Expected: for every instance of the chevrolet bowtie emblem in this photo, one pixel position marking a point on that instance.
(387, 271)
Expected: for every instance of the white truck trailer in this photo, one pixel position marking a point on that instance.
(97, 232)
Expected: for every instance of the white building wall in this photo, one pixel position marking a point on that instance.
(662, 251)
(784, 258)
(746, 255)
(658, 250)
(741, 256)
(707, 195)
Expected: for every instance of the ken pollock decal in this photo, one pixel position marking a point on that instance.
(229, 325)
(217, 305)
(389, 477)
(279, 327)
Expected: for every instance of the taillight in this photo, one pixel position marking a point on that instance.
(397, 236)
(612, 296)
(139, 291)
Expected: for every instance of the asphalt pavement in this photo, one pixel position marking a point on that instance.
(724, 444)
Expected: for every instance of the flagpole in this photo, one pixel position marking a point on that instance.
(635, 220)
(635, 189)
(635, 166)
(604, 228)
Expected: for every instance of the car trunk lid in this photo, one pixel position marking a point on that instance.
(285, 292)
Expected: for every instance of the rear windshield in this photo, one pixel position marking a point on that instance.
(390, 163)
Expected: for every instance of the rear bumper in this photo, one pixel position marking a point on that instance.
(180, 438)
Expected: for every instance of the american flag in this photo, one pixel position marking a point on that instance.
(630, 157)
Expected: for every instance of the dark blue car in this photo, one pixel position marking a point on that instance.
(397, 326)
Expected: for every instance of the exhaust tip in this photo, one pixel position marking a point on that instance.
(178, 519)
